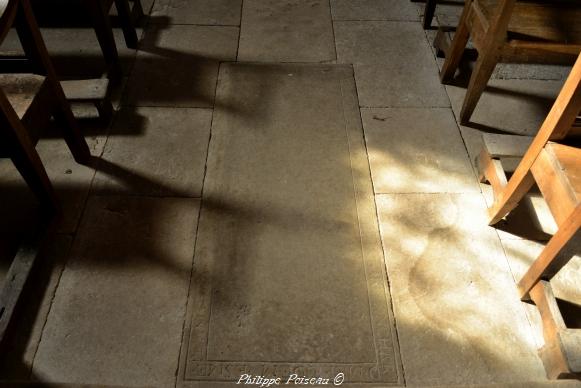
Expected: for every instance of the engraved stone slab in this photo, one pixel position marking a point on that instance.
(289, 274)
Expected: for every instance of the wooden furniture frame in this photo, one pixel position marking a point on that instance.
(17, 119)
(511, 31)
(18, 13)
(99, 10)
(49, 12)
(556, 169)
(429, 11)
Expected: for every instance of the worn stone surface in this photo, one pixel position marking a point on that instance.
(288, 257)
(448, 14)
(215, 12)
(413, 150)
(156, 151)
(455, 301)
(374, 10)
(21, 345)
(147, 6)
(531, 71)
(394, 66)
(287, 211)
(513, 106)
(75, 52)
(178, 65)
(286, 31)
(70, 180)
(118, 312)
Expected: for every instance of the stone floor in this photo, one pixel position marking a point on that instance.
(284, 184)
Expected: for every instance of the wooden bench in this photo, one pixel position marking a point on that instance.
(26, 102)
(510, 31)
(556, 169)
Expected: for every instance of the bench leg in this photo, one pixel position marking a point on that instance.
(137, 12)
(73, 137)
(549, 261)
(127, 24)
(429, 11)
(456, 50)
(33, 45)
(104, 32)
(482, 71)
(34, 174)
(25, 157)
(105, 109)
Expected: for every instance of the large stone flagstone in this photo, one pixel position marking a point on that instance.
(458, 314)
(288, 272)
(394, 65)
(416, 150)
(286, 31)
(118, 312)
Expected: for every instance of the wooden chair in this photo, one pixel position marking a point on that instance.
(49, 12)
(17, 144)
(128, 18)
(99, 10)
(27, 101)
(556, 169)
(34, 109)
(429, 11)
(510, 31)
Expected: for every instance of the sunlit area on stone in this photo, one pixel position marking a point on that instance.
(263, 193)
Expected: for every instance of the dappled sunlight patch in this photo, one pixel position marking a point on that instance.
(453, 292)
(417, 172)
(425, 154)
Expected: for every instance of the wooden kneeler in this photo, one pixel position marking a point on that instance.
(556, 169)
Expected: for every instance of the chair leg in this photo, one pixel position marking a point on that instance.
(75, 141)
(33, 45)
(480, 75)
(510, 197)
(549, 261)
(457, 47)
(105, 109)
(26, 159)
(137, 13)
(429, 11)
(104, 32)
(34, 174)
(127, 24)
